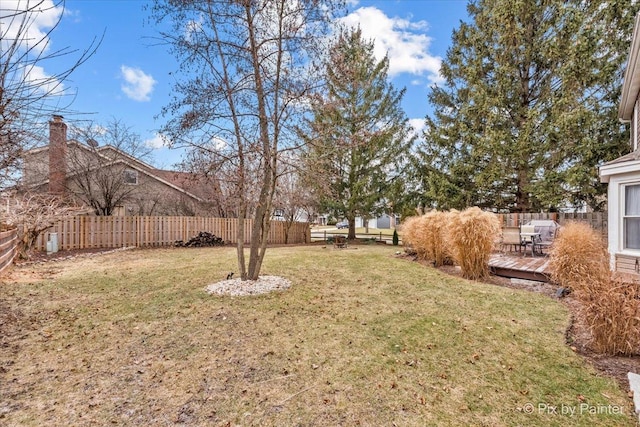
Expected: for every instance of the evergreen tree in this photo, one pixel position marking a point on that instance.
(529, 106)
(358, 133)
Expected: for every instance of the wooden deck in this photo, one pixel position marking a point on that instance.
(522, 267)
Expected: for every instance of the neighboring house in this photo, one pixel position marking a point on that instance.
(623, 174)
(382, 221)
(71, 168)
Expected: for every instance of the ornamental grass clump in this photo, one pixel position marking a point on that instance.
(427, 235)
(608, 306)
(578, 255)
(443, 253)
(471, 234)
(409, 229)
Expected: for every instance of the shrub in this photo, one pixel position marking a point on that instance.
(609, 307)
(578, 255)
(395, 239)
(409, 234)
(427, 235)
(443, 251)
(471, 234)
(414, 234)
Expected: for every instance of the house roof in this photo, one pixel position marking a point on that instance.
(195, 184)
(629, 163)
(631, 84)
(174, 179)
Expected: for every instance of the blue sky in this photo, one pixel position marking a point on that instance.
(129, 76)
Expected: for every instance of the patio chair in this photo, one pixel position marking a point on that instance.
(510, 238)
(546, 243)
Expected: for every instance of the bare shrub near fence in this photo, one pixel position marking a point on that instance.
(472, 234)
(609, 307)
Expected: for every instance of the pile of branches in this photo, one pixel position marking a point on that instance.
(201, 240)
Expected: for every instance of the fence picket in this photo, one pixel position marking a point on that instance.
(92, 232)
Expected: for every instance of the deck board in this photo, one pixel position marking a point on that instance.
(517, 266)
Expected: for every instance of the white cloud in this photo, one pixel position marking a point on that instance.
(403, 40)
(157, 142)
(28, 21)
(38, 79)
(137, 84)
(419, 127)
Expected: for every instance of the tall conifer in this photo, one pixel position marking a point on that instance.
(528, 108)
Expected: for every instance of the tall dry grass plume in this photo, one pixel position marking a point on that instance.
(410, 231)
(427, 235)
(579, 254)
(472, 234)
(407, 229)
(609, 307)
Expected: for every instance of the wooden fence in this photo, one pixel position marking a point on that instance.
(90, 232)
(597, 220)
(8, 244)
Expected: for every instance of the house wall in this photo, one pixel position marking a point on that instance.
(149, 196)
(35, 167)
(622, 260)
(635, 125)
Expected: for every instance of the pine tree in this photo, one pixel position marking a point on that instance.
(529, 106)
(358, 132)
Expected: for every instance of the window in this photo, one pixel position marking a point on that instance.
(130, 176)
(631, 218)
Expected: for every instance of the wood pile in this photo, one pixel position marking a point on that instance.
(203, 239)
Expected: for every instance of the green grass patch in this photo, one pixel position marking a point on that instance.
(362, 337)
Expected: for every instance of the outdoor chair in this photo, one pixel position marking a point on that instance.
(510, 238)
(546, 244)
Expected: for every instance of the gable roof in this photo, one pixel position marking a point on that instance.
(631, 83)
(162, 176)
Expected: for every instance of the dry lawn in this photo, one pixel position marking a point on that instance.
(361, 338)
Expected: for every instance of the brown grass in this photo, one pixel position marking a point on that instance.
(610, 307)
(361, 338)
(472, 234)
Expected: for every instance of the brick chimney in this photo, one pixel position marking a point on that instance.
(57, 155)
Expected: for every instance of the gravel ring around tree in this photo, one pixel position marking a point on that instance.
(238, 287)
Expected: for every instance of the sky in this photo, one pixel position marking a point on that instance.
(129, 76)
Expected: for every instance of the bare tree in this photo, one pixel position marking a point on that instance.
(293, 201)
(100, 175)
(246, 69)
(217, 179)
(34, 213)
(27, 91)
